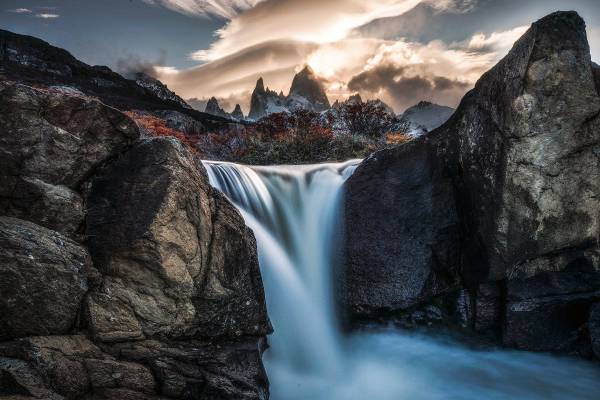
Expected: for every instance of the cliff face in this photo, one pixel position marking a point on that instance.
(493, 217)
(123, 274)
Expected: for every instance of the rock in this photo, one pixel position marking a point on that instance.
(548, 311)
(516, 171)
(176, 258)
(594, 328)
(527, 138)
(42, 280)
(406, 249)
(197, 370)
(46, 155)
(70, 366)
(64, 143)
(53, 206)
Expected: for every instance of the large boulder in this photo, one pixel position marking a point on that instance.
(518, 171)
(43, 278)
(172, 260)
(176, 257)
(405, 250)
(49, 144)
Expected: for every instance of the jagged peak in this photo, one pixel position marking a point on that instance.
(423, 104)
(260, 85)
(307, 84)
(355, 98)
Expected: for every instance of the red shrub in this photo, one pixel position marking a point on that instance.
(154, 126)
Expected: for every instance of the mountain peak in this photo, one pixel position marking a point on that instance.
(260, 85)
(237, 112)
(213, 107)
(307, 85)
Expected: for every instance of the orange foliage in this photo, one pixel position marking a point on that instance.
(154, 126)
(394, 138)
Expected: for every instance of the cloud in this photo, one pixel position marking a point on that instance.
(496, 41)
(401, 89)
(275, 61)
(47, 15)
(201, 8)
(314, 21)
(132, 63)
(21, 11)
(275, 38)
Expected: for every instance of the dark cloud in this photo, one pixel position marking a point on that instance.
(392, 83)
(133, 63)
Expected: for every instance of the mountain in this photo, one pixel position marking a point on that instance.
(159, 89)
(32, 61)
(212, 107)
(306, 92)
(425, 117)
(306, 87)
(265, 101)
(237, 113)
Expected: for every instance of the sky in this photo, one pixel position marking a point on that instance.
(400, 51)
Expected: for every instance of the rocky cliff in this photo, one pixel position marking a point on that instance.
(491, 221)
(32, 61)
(123, 274)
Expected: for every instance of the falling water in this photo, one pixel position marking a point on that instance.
(294, 212)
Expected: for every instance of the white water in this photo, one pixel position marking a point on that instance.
(294, 212)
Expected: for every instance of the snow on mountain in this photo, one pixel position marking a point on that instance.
(425, 117)
(159, 89)
(306, 92)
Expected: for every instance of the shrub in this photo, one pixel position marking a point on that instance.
(153, 126)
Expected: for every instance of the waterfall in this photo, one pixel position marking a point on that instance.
(294, 212)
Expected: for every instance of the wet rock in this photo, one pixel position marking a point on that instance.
(42, 280)
(176, 258)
